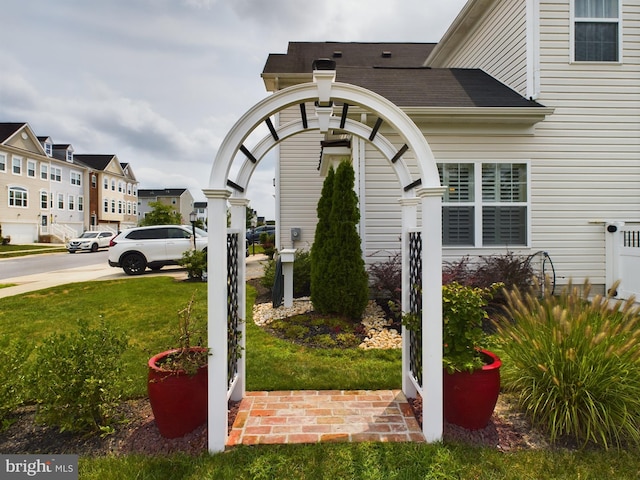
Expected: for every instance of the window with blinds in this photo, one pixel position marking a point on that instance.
(596, 30)
(495, 214)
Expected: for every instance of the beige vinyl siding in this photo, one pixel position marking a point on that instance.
(300, 182)
(586, 155)
(497, 45)
(383, 225)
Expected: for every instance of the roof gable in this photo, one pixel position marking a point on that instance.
(100, 162)
(20, 136)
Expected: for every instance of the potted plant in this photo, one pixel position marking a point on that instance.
(471, 381)
(472, 373)
(177, 380)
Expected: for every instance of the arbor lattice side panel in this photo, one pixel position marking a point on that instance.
(415, 304)
(233, 340)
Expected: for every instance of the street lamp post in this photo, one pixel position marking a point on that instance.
(254, 223)
(193, 217)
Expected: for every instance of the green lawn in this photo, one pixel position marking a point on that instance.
(146, 309)
(7, 251)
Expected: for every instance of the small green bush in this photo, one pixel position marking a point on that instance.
(195, 261)
(13, 378)
(463, 311)
(574, 364)
(78, 378)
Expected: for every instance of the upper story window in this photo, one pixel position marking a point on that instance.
(31, 168)
(76, 178)
(16, 163)
(128, 189)
(18, 197)
(48, 149)
(106, 183)
(44, 171)
(44, 199)
(113, 185)
(3, 162)
(80, 203)
(596, 31)
(94, 180)
(61, 201)
(56, 174)
(486, 204)
(69, 155)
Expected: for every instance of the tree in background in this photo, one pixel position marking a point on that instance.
(320, 290)
(161, 214)
(342, 277)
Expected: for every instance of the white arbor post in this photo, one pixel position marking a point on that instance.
(217, 318)
(287, 256)
(432, 401)
(409, 221)
(239, 224)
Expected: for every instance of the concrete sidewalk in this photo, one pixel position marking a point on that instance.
(30, 283)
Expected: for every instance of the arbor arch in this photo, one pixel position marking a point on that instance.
(226, 293)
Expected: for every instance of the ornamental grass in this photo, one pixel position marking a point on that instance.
(573, 361)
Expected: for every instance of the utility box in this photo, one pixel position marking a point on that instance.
(296, 234)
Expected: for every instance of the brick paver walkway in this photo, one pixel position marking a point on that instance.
(324, 416)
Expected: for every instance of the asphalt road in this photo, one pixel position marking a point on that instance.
(50, 262)
(52, 269)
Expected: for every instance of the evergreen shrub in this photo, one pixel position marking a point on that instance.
(341, 284)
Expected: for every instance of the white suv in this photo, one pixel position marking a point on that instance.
(90, 241)
(155, 246)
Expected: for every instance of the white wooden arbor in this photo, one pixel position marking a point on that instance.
(425, 191)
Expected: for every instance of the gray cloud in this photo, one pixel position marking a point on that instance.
(161, 82)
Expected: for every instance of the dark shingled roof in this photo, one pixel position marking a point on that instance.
(160, 192)
(300, 55)
(8, 129)
(97, 162)
(401, 77)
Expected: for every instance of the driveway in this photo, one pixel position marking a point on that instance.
(38, 281)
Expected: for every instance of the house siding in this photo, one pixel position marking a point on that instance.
(300, 182)
(584, 157)
(498, 45)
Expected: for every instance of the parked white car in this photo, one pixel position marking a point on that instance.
(91, 241)
(155, 246)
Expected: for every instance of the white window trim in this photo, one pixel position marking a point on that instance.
(44, 168)
(71, 202)
(46, 195)
(11, 188)
(80, 203)
(35, 168)
(78, 176)
(19, 159)
(58, 197)
(572, 35)
(4, 170)
(55, 172)
(478, 202)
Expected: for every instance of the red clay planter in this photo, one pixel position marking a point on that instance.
(178, 400)
(470, 398)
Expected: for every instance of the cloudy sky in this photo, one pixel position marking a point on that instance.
(160, 82)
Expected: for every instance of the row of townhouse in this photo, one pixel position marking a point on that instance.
(50, 194)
